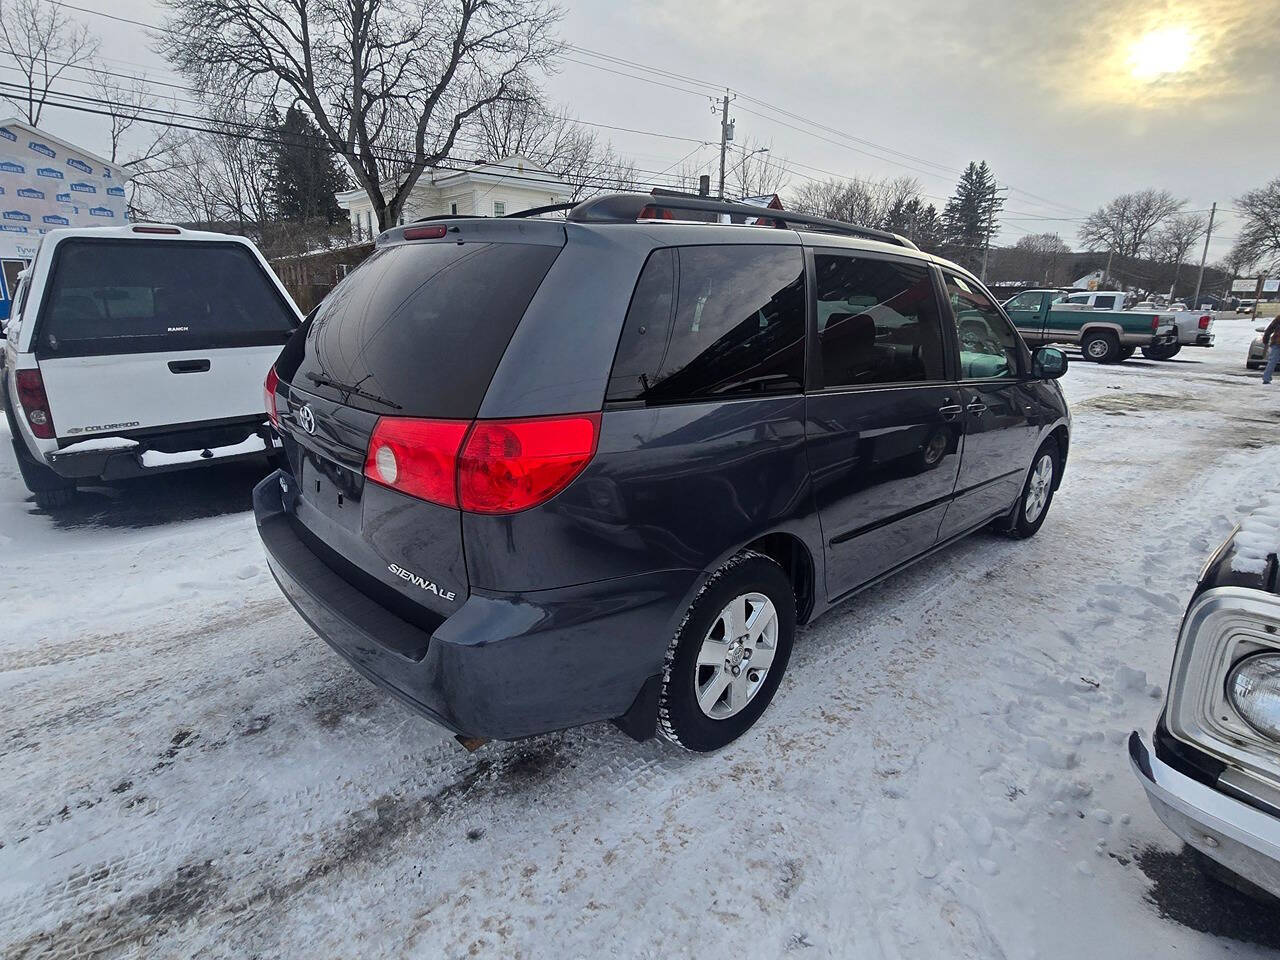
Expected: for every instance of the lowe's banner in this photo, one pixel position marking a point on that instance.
(44, 185)
(1249, 285)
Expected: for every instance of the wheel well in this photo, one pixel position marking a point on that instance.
(1104, 331)
(1063, 440)
(790, 553)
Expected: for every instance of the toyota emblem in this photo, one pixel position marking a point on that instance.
(307, 419)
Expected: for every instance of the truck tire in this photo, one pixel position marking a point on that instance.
(1126, 353)
(1101, 346)
(1167, 352)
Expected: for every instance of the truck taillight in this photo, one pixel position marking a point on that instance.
(486, 466)
(269, 395)
(1155, 324)
(1204, 322)
(35, 403)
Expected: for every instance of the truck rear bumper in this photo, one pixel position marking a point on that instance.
(159, 453)
(502, 666)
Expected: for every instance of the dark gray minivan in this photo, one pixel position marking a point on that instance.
(547, 472)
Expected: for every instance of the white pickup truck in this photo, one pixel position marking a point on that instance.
(1195, 329)
(139, 349)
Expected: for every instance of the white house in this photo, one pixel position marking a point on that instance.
(485, 189)
(45, 183)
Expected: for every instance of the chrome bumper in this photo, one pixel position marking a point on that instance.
(1243, 839)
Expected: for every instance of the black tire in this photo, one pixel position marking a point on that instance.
(1100, 346)
(1162, 353)
(1020, 526)
(680, 718)
(1127, 352)
(38, 478)
(1253, 366)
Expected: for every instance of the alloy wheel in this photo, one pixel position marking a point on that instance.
(1039, 488)
(736, 655)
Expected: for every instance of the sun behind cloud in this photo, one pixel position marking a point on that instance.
(1161, 52)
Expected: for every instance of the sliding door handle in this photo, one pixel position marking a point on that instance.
(951, 411)
(977, 408)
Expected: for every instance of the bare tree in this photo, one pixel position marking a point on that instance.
(44, 43)
(524, 125)
(865, 202)
(1126, 224)
(1041, 256)
(759, 173)
(1259, 238)
(1174, 240)
(390, 83)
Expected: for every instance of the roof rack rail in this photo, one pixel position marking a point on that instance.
(630, 207)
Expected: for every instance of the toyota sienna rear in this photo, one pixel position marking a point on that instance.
(548, 472)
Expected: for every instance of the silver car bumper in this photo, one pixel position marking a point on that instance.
(1243, 839)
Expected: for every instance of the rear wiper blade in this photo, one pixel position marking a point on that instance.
(350, 388)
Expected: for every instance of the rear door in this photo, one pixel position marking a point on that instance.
(883, 421)
(999, 417)
(416, 331)
(1028, 312)
(132, 334)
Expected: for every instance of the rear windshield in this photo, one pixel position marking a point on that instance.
(144, 296)
(418, 329)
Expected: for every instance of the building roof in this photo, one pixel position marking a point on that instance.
(516, 171)
(68, 145)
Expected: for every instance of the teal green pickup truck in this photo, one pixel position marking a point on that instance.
(1104, 336)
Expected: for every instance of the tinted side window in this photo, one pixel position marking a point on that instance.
(1104, 303)
(1025, 301)
(878, 322)
(711, 322)
(989, 345)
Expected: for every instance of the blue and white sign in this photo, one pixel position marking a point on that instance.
(10, 228)
(83, 188)
(16, 215)
(35, 146)
(31, 193)
(102, 212)
(56, 220)
(8, 134)
(8, 166)
(79, 165)
(52, 173)
(63, 198)
(115, 191)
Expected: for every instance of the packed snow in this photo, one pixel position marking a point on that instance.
(187, 770)
(97, 444)
(158, 458)
(1257, 539)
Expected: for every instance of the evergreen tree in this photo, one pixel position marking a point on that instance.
(917, 221)
(305, 172)
(969, 219)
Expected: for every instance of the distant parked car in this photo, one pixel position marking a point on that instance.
(545, 473)
(1245, 306)
(1177, 305)
(1257, 351)
(137, 350)
(1212, 773)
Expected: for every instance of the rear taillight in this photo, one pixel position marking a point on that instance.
(417, 457)
(269, 395)
(489, 466)
(1155, 324)
(512, 465)
(35, 403)
(1204, 322)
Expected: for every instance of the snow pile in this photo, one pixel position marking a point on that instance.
(155, 458)
(95, 444)
(1257, 538)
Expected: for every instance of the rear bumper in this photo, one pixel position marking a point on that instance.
(501, 666)
(144, 460)
(1240, 837)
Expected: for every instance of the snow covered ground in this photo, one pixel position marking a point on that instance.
(185, 769)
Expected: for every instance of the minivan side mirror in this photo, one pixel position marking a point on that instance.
(1048, 363)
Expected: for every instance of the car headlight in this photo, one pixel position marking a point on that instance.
(1253, 687)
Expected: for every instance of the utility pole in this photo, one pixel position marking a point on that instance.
(1204, 255)
(1107, 271)
(726, 134)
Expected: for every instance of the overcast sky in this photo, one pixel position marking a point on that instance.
(1070, 103)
